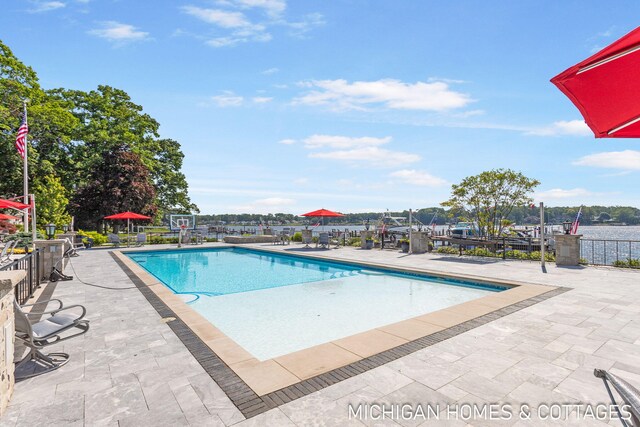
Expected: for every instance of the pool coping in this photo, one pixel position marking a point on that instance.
(256, 386)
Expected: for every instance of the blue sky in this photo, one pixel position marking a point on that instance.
(352, 105)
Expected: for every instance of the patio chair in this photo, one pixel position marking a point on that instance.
(70, 248)
(113, 238)
(307, 238)
(45, 332)
(323, 240)
(7, 251)
(141, 239)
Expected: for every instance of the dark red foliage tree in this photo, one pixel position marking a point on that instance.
(120, 183)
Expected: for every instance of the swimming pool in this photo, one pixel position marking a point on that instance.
(274, 304)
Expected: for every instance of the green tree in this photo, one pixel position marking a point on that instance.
(51, 202)
(120, 183)
(111, 121)
(50, 125)
(490, 197)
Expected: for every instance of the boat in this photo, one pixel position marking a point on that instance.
(464, 230)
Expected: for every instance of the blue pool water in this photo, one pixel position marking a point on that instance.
(273, 304)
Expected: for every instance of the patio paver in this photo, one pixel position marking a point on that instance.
(132, 369)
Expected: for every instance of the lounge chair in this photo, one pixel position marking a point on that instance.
(323, 240)
(141, 239)
(70, 248)
(113, 238)
(307, 238)
(45, 332)
(7, 251)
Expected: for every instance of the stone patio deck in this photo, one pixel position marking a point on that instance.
(131, 368)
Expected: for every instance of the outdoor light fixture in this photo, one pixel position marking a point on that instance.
(50, 230)
(566, 226)
(65, 228)
(367, 224)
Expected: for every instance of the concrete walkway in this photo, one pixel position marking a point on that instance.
(131, 369)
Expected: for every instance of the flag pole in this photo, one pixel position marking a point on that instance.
(25, 176)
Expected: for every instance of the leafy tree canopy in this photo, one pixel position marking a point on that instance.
(490, 197)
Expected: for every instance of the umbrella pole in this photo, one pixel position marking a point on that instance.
(127, 232)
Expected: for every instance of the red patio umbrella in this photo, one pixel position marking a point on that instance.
(128, 216)
(5, 217)
(606, 88)
(10, 204)
(322, 213)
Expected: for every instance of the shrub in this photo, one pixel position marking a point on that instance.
(6, 225)
(517, 255)
(210, 239)
(297, 237)
(98, 239)
(480, 252)
(627, 263)
(355, 241)
(156, 240)
(583, 261)
(548, 256)
(447, 250)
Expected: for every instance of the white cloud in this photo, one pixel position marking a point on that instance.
(308, 22)
(227, 99)
(388, 93)
(416, 177)
(343, 142)
(274, 8)
(119, 33)
(571, 128)
(301, 181)
(287, 141)
(561, 194)
(625, 160)
(261, 99)
(270, 71)
(374, 156)
(46, 6)
(222, 18)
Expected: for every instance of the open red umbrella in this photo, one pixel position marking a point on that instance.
(606, 88)
(128, 216)
(5, 217)
(322, 213)
(10, 204)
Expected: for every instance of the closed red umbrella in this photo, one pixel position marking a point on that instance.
(10, 204)
(322, 213)
(606, 88)
(128, 216)
(5, 217)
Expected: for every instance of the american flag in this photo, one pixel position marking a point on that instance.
(576, 223)
(21, 139)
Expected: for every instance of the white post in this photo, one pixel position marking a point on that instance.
(25, 171)
(410, 229)
(33, 220)
(542, 234)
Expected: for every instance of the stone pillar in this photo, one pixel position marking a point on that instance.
(419, 242)
(52, 255)
(567, 249)
(71, 235)
(364, 236)
(8, 280)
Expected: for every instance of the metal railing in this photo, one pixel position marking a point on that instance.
(620, 253)
(521, 248)
(26, 287)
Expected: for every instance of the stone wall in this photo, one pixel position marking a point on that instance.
(8, 279)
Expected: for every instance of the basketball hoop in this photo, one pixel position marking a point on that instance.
(183, 226)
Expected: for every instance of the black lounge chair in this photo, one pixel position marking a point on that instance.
(45, 332)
